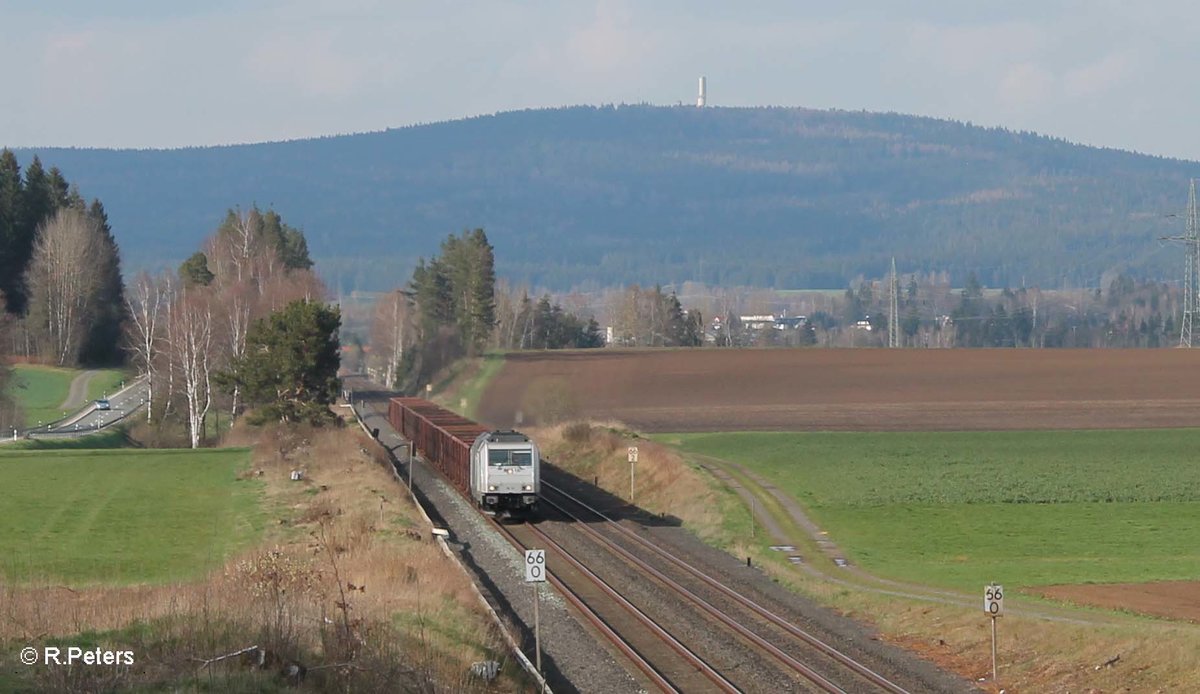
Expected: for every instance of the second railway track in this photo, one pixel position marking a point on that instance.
(813, 663)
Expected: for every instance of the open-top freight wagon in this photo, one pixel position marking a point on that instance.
(498, 470)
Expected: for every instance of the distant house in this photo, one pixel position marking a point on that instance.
(780, 322)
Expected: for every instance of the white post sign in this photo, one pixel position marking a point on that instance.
(535, 566)
(535, 573)
(632, 460)
(993, 600)
(993, 606)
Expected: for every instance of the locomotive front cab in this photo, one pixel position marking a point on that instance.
(505, 472)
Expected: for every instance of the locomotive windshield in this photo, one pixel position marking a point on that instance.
(498, 458)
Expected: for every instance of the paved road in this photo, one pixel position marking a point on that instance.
(89, 419)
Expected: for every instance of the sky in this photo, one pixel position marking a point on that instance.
(146, 73)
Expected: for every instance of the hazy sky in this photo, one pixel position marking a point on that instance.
(147, 73)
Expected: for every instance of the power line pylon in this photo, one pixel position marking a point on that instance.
(894, 309)
(1191, 282)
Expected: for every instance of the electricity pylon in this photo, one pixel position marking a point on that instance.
(894, 309)
(1191, 283)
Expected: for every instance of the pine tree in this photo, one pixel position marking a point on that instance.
(37, 204)
(481, 291)
(102, 344)
(194, 271)
(289, 370)
(11, 219)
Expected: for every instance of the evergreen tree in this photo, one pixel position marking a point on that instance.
(37, 204)
(11, 218)
(289, 370)
(102, 343)
(194, 271)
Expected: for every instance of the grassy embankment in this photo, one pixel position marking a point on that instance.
(464, 382)
(180, 555)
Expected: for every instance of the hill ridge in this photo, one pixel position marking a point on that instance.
(589, 196)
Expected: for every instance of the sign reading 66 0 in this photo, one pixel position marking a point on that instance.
(535, 565)
(993, 600)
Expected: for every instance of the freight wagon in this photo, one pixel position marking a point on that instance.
(500, 471)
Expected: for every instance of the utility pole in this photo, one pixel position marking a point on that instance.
(1191, 283)
(894, 308)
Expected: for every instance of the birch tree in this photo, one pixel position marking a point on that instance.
(146, 301)
(192, 335)
(63, 279)
(390, 333)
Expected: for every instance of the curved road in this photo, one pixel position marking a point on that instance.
(89, 419)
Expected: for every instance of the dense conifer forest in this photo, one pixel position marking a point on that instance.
(584, 197)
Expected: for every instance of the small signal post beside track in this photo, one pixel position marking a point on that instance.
(993, 606)
(535, 573)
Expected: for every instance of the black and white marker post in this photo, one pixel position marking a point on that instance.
(535, 573)
(632, 461)
(993, 606)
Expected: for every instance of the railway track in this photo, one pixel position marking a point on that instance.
(662, 659)
(824, 667)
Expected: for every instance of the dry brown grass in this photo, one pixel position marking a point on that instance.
(346, 574)
(664, 482)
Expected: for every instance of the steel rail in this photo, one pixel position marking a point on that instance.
(687, 654)
(845, 660)
(716, 613)
(621, 644)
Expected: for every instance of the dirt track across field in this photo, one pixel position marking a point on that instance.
(851, 389)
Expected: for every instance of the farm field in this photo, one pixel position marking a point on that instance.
(850, 389)
(122, 516)
(961, 509)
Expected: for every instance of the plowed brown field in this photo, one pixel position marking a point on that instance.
(870, 390)
(851, 389)
(1171, 599)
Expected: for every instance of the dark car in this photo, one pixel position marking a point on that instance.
(103, 405)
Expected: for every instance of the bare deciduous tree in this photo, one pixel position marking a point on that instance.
(390, 331)
(64, 277)
(192, 338)
(147, 300)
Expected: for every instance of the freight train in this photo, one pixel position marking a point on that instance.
(500, 471)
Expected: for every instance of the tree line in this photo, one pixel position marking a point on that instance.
(454, 307)
(60, 269)
(242, 323)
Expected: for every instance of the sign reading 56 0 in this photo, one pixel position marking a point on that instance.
(993, 600)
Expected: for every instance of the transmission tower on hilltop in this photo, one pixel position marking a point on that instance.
(1191, 281)
(894, 308)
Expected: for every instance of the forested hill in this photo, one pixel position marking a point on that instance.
(584, 196)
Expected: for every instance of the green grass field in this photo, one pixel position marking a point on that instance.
(964, 508)
(105, 383)
(123, 516)
(40, 390)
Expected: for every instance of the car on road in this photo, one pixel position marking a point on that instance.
(103, 404)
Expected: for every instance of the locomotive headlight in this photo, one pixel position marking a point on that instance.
(528, 488)
(491, 487)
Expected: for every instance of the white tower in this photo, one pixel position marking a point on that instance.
(702, 95)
